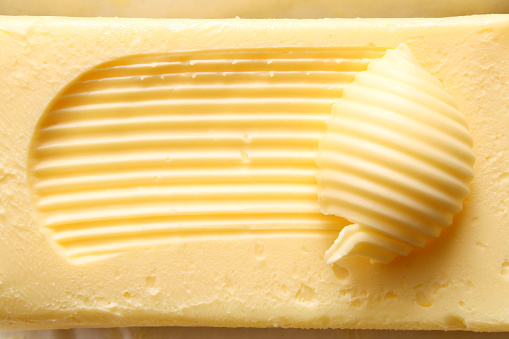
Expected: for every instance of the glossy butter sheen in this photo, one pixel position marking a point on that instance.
(150, 149)
(254, 278)
(396, 160)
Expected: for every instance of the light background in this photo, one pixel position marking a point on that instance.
(252, 9)
(240, 333)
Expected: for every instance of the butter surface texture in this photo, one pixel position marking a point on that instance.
(396, 160)
(150, 149)
(89, 238)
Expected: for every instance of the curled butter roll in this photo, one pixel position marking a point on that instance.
(396, 160)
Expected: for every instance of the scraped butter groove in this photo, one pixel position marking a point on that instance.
(396, 160)
(148, 149)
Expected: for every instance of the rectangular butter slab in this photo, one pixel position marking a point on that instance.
(252, 278)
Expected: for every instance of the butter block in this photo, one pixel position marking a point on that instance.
(162, 172)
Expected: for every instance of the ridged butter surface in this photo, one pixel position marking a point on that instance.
(396, 160)
(62, 277)
(150, 149)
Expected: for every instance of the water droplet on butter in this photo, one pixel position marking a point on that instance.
(260, 250)
(245, 156)
(247, 137)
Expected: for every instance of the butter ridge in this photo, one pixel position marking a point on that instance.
(141, 150)
(396, 119)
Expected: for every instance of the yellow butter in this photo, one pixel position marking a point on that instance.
(396, 159)
(145, 148)
(216, 271)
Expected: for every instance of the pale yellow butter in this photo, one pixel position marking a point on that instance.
(178, 187)
(149, 149)
(396, 160)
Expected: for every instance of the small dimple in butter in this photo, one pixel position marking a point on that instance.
(396, 160)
